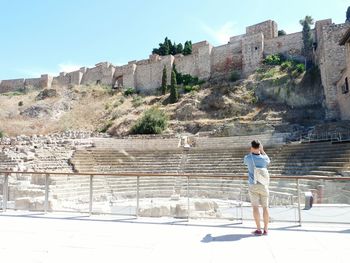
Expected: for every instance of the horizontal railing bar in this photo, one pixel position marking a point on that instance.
(335, 178)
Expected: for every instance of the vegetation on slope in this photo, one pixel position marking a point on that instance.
(278, 92)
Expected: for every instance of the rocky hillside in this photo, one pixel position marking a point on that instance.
(270, 99)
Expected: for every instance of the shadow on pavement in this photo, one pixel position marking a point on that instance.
(209, 238)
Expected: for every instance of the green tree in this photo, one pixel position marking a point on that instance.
(348, 15)
(174, 95)
(179, 48)
(307, 37)
(164, 81)
(281, 33)
(187, 48)
(167, 48)
(173, 49)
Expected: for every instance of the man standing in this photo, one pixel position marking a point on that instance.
(259, 193)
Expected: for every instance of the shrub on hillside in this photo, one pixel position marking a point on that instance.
(300, 68)
(153, 121)
(274, 59)
(129, 91)
(234, 76)
(286, 65)
(106, 126)
(189, 88)
(1, 134)
(137, 101)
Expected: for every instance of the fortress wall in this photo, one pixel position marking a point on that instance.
(102, 73)
(268, 28)
(227, 57)
(187, 64)
(148, 75)
(33, 82)
(236, 39)
(11, 85)
(318, 37)
(344, 97)
(198, 63)
(204, 65)
(332, 64)
(14, 84)
(291, 44)
(76, 77)
(252, 52)
(46, 81)
(127, 73)
(63, 79)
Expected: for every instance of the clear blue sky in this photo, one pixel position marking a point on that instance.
(48, 36)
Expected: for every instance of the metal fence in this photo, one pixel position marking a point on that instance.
(177, 195)
(326, 136)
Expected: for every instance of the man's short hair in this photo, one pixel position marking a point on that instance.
(256, 144)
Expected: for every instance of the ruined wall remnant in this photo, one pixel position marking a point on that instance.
(252, 52)
(124, 76)
(268, 28)
(244, 53)
(226, 58)
(196, 64)
(331, 60)
(343, 85)
(11, 85)
(291, 44)
(102, 73)
(148, 75)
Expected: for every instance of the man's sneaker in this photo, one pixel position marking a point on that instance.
(265, 233)
(257, 232)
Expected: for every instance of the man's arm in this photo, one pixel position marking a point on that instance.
(264, 153)
(262, 150)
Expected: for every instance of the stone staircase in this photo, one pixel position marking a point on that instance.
(7, 163)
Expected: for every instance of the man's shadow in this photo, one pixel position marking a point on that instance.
(209, 238)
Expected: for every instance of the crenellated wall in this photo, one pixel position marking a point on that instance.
(291, 44)
(332, 63)
(148, 74)
(20, 84)
(252, 52)
(11, 85)
(343, 85)
(227, 57)
(102, 73)
(269, 29)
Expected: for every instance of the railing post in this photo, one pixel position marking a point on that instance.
(241, 197)
(137, 195)
(46, 204)
(188, 197)
(299, 201)
(91, 194)
(5, 191)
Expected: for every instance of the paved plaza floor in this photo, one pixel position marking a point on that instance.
(61, 237)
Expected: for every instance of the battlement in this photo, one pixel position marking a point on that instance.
(269, 28)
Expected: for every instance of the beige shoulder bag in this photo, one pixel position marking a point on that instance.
(261, 175)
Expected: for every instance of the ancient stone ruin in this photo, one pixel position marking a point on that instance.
(243, 53)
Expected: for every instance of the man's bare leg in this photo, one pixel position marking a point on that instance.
(266, 217)
(256, 215)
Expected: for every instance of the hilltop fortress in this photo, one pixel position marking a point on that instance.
(243, 53)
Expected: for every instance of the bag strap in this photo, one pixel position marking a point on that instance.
(251, 156)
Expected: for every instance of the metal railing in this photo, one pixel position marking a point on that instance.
(326, 136)
(296, 179)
